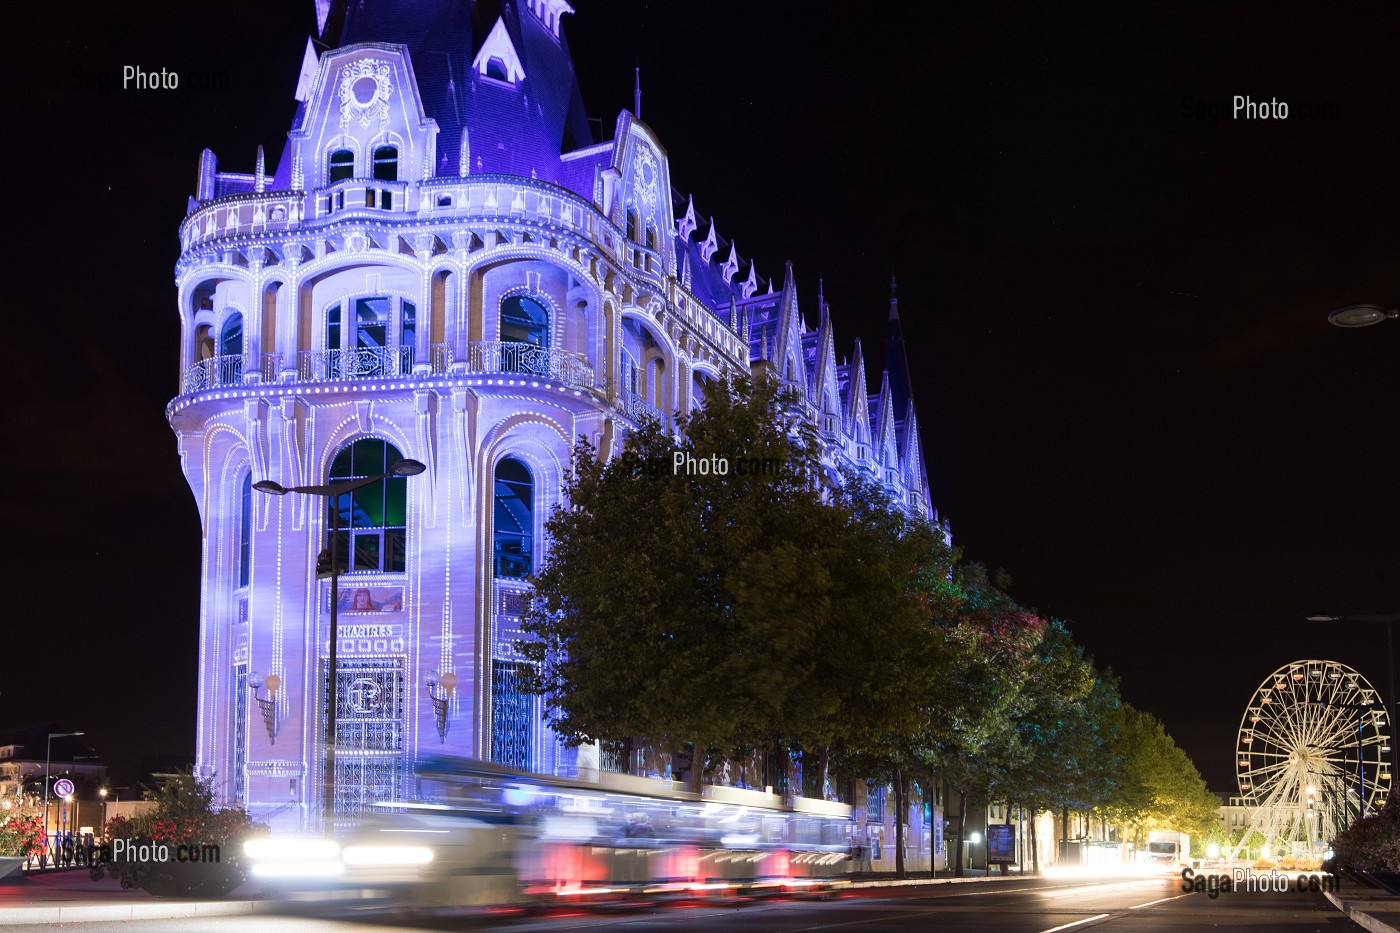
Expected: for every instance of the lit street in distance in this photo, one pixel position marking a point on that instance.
(1014, 906)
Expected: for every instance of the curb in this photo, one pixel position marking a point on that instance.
(72, 912)
(1359, 916)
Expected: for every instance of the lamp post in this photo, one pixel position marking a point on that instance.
(48, 749)
(1391, 704)
(1362, 315)
(333, 491)
(102, 792)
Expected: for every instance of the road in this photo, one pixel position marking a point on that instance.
(1139, 905)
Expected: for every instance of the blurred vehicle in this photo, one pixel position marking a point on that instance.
(483, 834)
(1168, 848)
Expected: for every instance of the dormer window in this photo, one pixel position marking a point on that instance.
(386, 163)
(342, 165)
(497, 58)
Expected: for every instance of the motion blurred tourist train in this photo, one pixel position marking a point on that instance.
(483, 834)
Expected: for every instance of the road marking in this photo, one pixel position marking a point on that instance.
(1160, 900)
(1068, 926)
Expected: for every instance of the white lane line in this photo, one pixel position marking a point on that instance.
(1160, 900)
(1070, 926)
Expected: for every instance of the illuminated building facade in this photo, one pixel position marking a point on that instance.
(444, 264)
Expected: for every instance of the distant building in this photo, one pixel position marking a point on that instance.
(445, 264)
(22, 761)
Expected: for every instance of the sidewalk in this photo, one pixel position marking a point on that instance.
(1372, 908)
(70, 896)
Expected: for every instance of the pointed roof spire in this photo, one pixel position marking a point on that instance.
(710, 246)
(309, 66)
(464, 154)
(730, 267)
(260, 174)
(896, 358)
(686, 225)
(637, 95)
(750, 284)
(822, 309)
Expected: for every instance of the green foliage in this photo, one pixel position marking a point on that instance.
(1067, 730)
(684, 607)
(1157, 786)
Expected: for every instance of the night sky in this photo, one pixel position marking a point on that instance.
(1115, 307)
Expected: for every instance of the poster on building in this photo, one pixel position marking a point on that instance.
(1001, 844)
(938, 834)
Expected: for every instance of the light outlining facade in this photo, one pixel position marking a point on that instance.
(444, 265)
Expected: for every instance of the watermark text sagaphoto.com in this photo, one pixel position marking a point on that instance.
(1247, 881)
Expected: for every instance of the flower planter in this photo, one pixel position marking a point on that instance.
(10, 867)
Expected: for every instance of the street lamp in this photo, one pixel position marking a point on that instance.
(1391, 705)
(1361, 315)
(48, 749)
(333, 491)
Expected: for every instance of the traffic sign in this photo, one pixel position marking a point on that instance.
(63, 787)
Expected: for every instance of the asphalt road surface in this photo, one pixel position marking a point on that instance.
(1022, 906)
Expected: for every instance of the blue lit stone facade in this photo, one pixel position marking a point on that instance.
(443, 264)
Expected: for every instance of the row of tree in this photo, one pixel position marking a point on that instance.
(772, 605)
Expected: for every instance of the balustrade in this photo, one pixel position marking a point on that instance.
(357, 363)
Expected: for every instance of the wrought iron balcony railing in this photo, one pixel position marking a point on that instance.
(637, 407)
(504, 356)
(214, 372)
(359, 363)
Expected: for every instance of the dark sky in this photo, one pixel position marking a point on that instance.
(1115, 308)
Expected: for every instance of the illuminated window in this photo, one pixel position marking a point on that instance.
(245, 530)
(408, 324)
(386, 163)
(373, 520)
(231, 337)
(524, 320)
(342, 165)
(368, 327)
(514, 520)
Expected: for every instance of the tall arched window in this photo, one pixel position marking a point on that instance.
(386, 163)
(231, 336)
(245, 530)
(373, 520)
(514, 520)
(342, 165)
(524, 320)
(632, 232)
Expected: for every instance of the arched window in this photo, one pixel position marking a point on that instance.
(231, 337)
(514, 520)
(632, 224)
(342, 165)
(373, 520)
(245, 530)
(386, 163)
(524, 320)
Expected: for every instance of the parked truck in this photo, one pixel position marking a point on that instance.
(1168, 848)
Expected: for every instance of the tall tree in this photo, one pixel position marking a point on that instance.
(684, 604)
(1157, 786)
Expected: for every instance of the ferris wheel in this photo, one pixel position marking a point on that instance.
(1313, 755)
